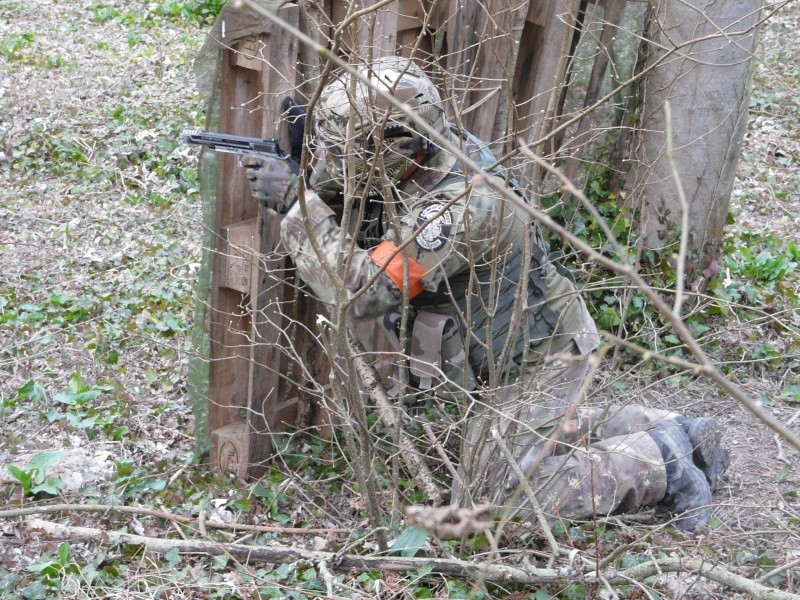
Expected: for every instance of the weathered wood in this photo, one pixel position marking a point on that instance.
(237, 247)
(408, 45)
(230, 327)
(251, 286)
(268, 363)
(246, 53)
(230, 447)
(378, 30)
(611, 19)
(483, 42)
(543, 67)
(486, 37)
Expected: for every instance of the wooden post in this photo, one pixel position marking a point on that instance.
(250, 395)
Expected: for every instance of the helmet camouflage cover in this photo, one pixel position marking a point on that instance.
(375, 118)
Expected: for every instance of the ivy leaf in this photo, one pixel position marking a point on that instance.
(31, 391)
(41, 462)
(23, 477)
(63, 552)
(173, 323)
(409, 542)
(791, 392)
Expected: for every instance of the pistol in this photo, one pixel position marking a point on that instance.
(241, 145)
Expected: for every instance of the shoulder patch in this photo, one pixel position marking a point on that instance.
(434, 235)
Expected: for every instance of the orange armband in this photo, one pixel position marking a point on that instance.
(394, 267)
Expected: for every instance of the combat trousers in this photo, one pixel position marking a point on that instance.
(579, 461)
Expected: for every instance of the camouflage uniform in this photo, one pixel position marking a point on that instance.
(463, 275)
(477, 235)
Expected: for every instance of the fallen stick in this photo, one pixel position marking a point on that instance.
(275, 553)
(712, 571)
(152, 512)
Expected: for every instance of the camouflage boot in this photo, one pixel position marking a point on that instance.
(709, 453)
(688, 494)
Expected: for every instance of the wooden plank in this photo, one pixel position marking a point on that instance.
(539, 11)
(237, 249)
(410, 14)
(378, 31)
(281, 77)
(229, 449)
(246, 53)
(230, 323)
(541, 72)
(408, 47)
(483, 38)
(371, 36)
(235, 23)
(267, 360)
(611, 18)
(248, 373)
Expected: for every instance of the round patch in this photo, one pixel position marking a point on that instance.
(434, 235)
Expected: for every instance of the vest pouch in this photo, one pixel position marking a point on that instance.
(437, 350)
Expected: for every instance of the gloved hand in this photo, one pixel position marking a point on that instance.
(273, 183)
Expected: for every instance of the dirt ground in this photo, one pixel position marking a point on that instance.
(114, 227)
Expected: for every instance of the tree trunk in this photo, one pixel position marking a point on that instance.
(705, 48)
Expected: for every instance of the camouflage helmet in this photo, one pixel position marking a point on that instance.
(377, 119)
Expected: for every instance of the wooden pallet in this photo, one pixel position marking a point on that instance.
(253, 297)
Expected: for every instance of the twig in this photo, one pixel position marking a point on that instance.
(152, 512)
(715, 573)
(177, 529)
(275, 553)
(778, 570)
(201, 523)
(526, 487)
(781, 455)
(388, 413)
(442, 454)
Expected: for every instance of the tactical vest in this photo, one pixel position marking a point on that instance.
(467, 295)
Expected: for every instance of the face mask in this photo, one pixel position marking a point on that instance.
(395, 163)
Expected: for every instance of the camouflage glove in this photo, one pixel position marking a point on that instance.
(273, 182)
